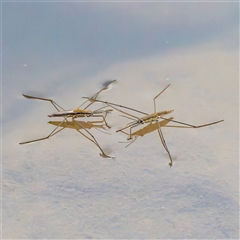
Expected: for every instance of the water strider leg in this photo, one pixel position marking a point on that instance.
(93, 140)
(103, 120)
(154, 100)
(118, 105)
(130, 131)
(193, 126)
(45, 99)
(96, 95)
(54, 132)
(164, 143)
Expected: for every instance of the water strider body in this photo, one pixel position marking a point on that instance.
(76, 113)
(79, 113)
(153, 117)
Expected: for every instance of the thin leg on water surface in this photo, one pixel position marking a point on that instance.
(102, 131)
(45, 99)
(54, 132)
(164, 143)
(118, 105)
(154, 100)
(128, 126)
(96, 95)
(193, 126)
(93, 140)
(131, 125)
(103, 120)
(123, 112)
(130, 131)
(135, 138)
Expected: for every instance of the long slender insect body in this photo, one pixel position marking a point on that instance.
(154, 116)
(79, 113)
(72, 113)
